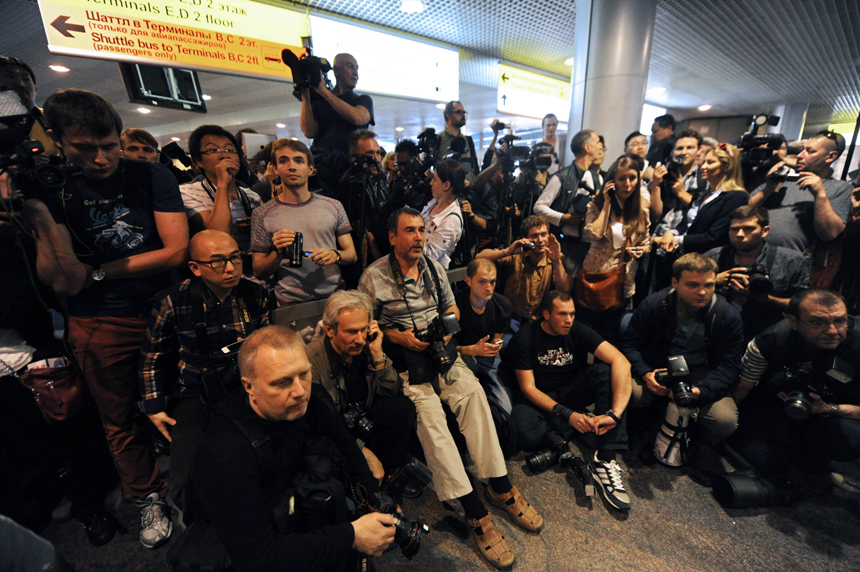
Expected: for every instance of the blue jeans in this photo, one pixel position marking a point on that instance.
(486, 369)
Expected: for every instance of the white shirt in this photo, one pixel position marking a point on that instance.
(442, 231)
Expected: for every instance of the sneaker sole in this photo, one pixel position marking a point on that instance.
(161, 542)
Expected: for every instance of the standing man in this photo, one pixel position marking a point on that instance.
(549, 126)
(455, 120)
(413, 293)
(193, 321)
(109, 247)
(561, 204)
(662, 139)
(322, 221)
(815, 207)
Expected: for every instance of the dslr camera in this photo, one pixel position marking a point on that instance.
(357, 420)
(798, 405)
(441, 326)
(408, 534)
(558, 454)
(677, 379)
(759, 283)
(308, 70)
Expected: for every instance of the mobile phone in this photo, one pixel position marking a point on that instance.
(372, 337)
(498, 342)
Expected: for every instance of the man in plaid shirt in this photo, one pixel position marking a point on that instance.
(197, 325)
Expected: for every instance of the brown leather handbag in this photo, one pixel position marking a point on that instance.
(602, 291)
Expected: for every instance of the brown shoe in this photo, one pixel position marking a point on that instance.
(522, 513)
(491, 544)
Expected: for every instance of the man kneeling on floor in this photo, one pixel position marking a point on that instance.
(268, 449)
(550, 358)
(416, 305)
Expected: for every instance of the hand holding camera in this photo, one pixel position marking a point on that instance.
(520, 245)
(652, 384)
(373, 533)
(811, 183)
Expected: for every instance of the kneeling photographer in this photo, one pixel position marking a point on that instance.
(272, 475)
(195, 329)
(349, 363)
(691, 335)
(801, 398)
(418, 316)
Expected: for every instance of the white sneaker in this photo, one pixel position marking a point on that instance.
(155, 525)
(609, 483)
(845, 483)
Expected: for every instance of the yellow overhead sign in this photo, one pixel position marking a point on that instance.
(531, 94)
(232, 36)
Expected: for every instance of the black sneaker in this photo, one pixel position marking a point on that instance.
(607, 476)
(99, 526)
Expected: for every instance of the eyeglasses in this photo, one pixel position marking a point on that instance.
(821, 323)
(220, 262)
(460, 112)
(227, 151)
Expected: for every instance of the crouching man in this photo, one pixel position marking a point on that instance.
(259, 468)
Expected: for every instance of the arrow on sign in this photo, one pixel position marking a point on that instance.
(61, 24)
(504, 99)
(505, 77)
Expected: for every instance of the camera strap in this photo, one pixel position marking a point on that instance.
(401, 283)
(243, 196)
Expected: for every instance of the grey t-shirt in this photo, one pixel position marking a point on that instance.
(689, 341)
(791, 212)
(321, 220)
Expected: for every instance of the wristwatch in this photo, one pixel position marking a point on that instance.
(98, 274)
(378, 362)
(612, 414)
(834, 409)
(339, 257)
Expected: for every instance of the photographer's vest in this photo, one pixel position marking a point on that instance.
(569, 178)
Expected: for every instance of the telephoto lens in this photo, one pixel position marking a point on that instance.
(408, 535)
(542, 460)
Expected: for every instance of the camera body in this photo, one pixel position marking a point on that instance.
(407, 533)
(677, 379)
(558, 454)
(759, 283)
(529, 246)
(36, 181)
(357, 419)
(307, 70)
(434, 334)
(798, 405)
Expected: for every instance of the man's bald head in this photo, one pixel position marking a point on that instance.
(205, 244)
(345, 71)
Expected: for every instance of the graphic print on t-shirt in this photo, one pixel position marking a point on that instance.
(556, 357)
(111, 226)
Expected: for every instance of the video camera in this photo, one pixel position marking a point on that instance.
(798, 405)
(434, 334)
(757, 150)
(308, 70)
(36, 181)
(407, 533)
(677, 379)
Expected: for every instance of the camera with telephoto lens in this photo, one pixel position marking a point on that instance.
(357, 420)
(824, 383)
(677, 379)
(759, 283)
(441, 326)
(34, 180)
(558, 454)
(308, 70)
(408, 534)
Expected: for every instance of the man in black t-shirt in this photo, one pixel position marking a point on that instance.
(551, 361)
(484, 317)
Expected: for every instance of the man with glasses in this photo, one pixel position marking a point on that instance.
(197, 326)
(314, 271)
(815, 350)
(815, 206)
(455, 119)
(218, 200)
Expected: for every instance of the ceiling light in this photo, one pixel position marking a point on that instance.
(206, 97)
(280, 125)
(411, 6)
(568, 62)
(705, 107)
(398, 129)
(61, 69)
(294, 138)
(144, 110)
(174, 138)
(440, 106)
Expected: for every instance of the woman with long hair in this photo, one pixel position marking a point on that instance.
(708, 216)
(617, 223)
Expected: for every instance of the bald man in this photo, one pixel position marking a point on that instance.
(329, 116)
(204, 358)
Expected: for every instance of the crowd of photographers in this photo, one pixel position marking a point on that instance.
(688, 298)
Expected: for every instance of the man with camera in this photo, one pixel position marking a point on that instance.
(691, 321)
(350, 364)
(814, 207)
(296, 235)
(683, 182)
(17, 78)
(757, 278)
(271, 472)
(200, 322)
(550, 360)
(108, 243)
(418, 316)
(529, 268)
(799, 396)
(565, 199)
(138, 144)
(662, 139)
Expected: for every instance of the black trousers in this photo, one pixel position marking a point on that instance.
(393, 420)
(591, 385)
(771, 441)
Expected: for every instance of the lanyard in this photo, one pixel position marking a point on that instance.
(401, 284)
